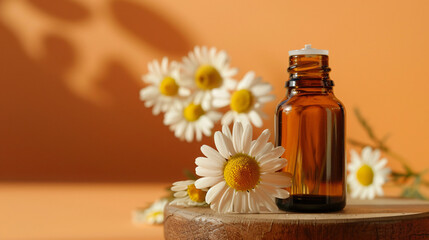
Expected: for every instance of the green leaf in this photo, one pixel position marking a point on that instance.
(412, 192)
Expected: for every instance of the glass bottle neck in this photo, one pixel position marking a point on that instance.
(309, 71)
(291, 91)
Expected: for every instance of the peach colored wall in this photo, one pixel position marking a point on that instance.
(70, 76)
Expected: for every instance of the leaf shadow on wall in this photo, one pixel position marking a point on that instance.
(49, 134)
(64, 10)
(149, 27)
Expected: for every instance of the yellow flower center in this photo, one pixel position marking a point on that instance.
(241, 101)
(365, 175)
(241, 172)
(168, 86)
(196, 195)
(193, 112)
(207, 77)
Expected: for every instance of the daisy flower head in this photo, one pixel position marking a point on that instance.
(186, 194)
(242, 174)
(246, 102)
(367, 174)
(190, 119)
(163, 91)
(207, 69)
(152, 215)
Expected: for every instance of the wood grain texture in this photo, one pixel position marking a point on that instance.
(383, 218)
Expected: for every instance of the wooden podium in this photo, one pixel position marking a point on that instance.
(381, 218)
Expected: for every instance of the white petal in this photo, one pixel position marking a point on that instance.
(205, 122)
(260, 143)
(212, 154)
(180, 194)
(268, 201)
(206, 172)
(171, 117)
(214, 116)
(255, 118)
(237, 135)
(276, 192)
(253, 201)
(261, 89)
(208, 163)
(219, 102)
(247, 81)
(230, 73)
(237, 201)
(380, 164)
(164, 64)
(149, 93)
(214, 191)
(178, 188)
(206, 182)
(156, 109)
(375, 156)
(206, 101)
(267, 148)
(180, 129)
(228, 118)
(198, 133)
(183, 183)
(221, 93)
(149, 103)
(229, 145)
(273, 165)
(221, 145)
(379, 190)
(366, 154)
(364, 193)
(226, 131)
(225, 200)
(198, 97)
(356, 191)
(244, 204)
(230, 83)
(355, 158)
(247, 138)
(273, 154)
(371, 194)
(184, 92)
(156, 67)
(265, 99)
(189, 132)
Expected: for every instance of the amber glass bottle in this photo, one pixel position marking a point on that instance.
(310, 125)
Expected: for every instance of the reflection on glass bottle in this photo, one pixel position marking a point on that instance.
(310, 125)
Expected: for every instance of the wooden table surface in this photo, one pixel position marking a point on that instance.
(58, 211)
(378, 219)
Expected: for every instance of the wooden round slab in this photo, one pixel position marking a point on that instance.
(382, 218)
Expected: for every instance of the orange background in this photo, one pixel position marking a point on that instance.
(70, 76)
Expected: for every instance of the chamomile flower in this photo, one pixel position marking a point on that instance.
(204, 70)
(246, 101)
(367, 174)
(242, 175)
(191, 119)
(152, 215)
(163, 91)
(186, 194)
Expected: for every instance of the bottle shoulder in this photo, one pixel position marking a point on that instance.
(299, 101)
